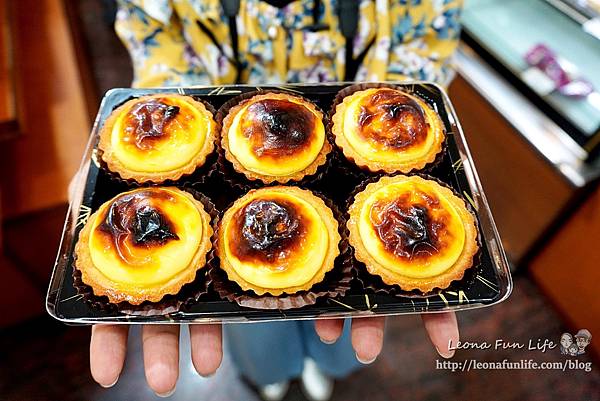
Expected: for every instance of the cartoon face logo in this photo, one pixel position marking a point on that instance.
(566, 340)
(573, 350)
(582, 340)
(575, 345)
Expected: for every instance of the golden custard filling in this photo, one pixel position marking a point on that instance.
(276, 240)
(276, 135)
(387, 125)
(411, 229)
(160, 134)
(145, 237)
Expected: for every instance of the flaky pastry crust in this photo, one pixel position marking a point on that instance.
(436, 128)
(311, 169)
(114, 165)
(324, 212)
(135, 295)
(443, 280)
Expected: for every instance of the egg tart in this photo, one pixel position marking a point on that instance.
(412, 232)
(275, 137)
(157, 138)
(278, 240)
(384, 129)
(144, 244)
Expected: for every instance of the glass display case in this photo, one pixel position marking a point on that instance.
(585, 12)
(504, 32)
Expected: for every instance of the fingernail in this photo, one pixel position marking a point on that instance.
(365, 361)
(167, 394)
(328, 342)
(447, 354)
(208, 375)
(110, 385)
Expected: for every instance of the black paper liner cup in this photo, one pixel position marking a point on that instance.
(349, 166)
(201, 175)
(169, 304)
(335, 283)
(374, 284)
(189, 294)
(240, 182)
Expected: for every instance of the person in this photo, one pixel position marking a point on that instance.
(212, 42)
(573, 350)
(566, 340)
(582, 339)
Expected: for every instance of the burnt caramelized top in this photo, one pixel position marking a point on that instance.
(267, 231)
(391, 119)
(135, 221)
(411, 229)
(147, 122)
(278, 128)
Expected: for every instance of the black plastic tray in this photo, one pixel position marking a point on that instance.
(487, 283)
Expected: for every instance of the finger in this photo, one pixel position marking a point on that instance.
(367, 338)
(108, 346)
(329, 330)
(161, 357)
(207, 348)
(443, 331)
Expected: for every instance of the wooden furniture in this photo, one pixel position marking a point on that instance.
(525, 193)
(568, 269)
(42, 94)
(9, 126)
(528, 198)
(35, 169)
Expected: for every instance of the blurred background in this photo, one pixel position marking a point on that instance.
(535, 146)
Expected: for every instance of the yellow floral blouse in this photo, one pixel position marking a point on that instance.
(187, 42)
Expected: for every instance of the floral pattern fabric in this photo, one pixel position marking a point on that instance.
(187, 42)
